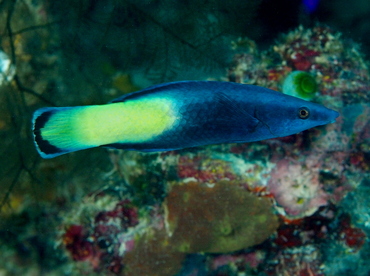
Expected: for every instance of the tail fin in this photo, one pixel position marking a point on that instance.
(56, 132)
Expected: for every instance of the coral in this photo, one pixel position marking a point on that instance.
(305, 260)
(300, 84)
(202, 219)
(331, 60)
(296, 189)
(239, 260)
(350, 244)
(107, 237)
(353, 237)
(124, 212)
(335, 64)
(204, 169)
(75, 241)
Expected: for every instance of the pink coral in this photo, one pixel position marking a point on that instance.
(296, 188)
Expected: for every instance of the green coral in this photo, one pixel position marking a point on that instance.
(300, 84)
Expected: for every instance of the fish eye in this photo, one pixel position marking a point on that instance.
(303, 113)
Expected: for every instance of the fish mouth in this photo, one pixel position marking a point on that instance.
(331, 117)
(334, 116)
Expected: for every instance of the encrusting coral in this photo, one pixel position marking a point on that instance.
(217, 219)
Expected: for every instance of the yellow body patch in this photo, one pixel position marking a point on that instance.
(133, 121)
(124, 122)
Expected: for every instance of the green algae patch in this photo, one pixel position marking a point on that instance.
(218, 219)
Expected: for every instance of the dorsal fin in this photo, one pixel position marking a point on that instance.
(149, 90)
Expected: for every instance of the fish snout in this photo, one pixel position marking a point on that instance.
(332, 115)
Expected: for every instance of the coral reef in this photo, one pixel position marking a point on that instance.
(287, 206)
(315, 170)
(195, 217)
(224, 200)
(272, 207)
(351, 250)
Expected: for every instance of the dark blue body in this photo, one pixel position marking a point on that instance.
(225, 112)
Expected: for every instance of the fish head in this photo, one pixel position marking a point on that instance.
(291, 115)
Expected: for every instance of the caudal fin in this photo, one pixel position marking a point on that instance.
(56, 131)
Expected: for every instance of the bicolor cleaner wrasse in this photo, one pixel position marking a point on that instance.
(177, 115)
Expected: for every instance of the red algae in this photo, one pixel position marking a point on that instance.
(75, 242)
(103, 240)
(353, 237)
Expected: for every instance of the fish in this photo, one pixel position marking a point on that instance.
(177, 115)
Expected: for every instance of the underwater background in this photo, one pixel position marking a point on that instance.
(296, 205)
